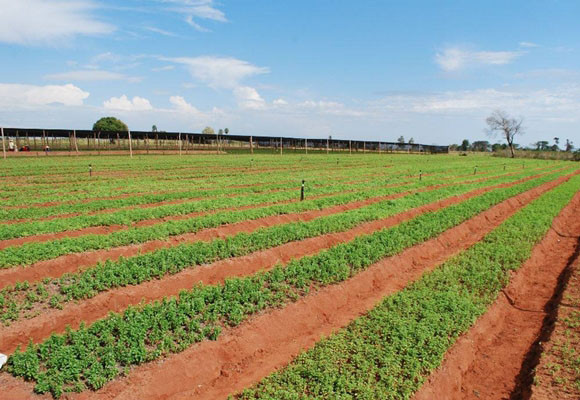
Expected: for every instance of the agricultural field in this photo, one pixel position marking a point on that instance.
(205, 276)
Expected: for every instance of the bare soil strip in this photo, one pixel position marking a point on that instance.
(242, 356)
(496, 357)
(54, 321)
(72, 262)
(107, 229)
(557, 373)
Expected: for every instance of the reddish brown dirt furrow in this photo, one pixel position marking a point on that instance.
(242, 356)
(162, 203)
(495, 358)
(105, 230)
(73, 262)
(50, 321)
(555, 374)
(224, 362)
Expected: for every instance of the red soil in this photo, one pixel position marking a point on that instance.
(107, 229)
(72, 262)
(242, 356)
(53, 321)
(495, 358)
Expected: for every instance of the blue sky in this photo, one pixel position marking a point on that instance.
(431, 70)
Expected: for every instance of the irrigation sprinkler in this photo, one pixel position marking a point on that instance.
(302, 191)
(420, 174)
(475, 170)
(90, 170)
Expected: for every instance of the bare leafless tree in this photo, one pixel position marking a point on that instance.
(508, 127)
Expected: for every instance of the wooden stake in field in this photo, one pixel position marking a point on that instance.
(130, 145)
(75, 140)
(3, 144)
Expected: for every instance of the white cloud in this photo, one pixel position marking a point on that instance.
(91, 75)
(219, 72)
(164, 68)
(280, 102)
(552, 102)
(198, 9)
(125, 104)
(14, 96)
(160, 31)
(249, 98)
(183, 106)
(198, 27)
(48, 22)
(331, 108)
(454, 59)
(528, 44)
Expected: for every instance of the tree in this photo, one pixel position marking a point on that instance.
(110, 124)
(480, 145)
(453, 147)
(208, 130)
(465, 145)
(154, 128)
(401, 140)
(541, 145)
(569, 145)
(411, 141)
(226, 131)
(500, 121)
(220, 132)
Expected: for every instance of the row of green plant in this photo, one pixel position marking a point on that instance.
(240, 168)
(73, 188)
(388, 353)
(114, 204)
(21, 300)
(29, 253)
(205, 188)
(133, 215)
(93, 355)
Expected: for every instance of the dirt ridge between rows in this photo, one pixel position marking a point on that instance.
(90, 310)
(57, 267)
(243, 355)
(486, 362)
(107, 229)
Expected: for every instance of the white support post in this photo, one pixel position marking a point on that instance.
(251, 145)
(280, 146)
(130, 146)
(179, 143)
(76, 143)
(3, 143)
(306, 145)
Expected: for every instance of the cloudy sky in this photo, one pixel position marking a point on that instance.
(367, 69)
